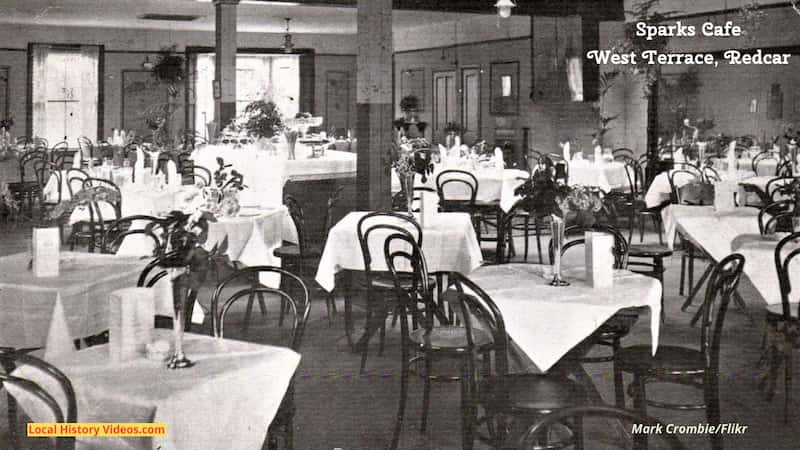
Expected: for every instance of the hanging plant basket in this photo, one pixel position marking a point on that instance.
(170, 67)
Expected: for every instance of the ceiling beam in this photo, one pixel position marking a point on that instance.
(598, 9)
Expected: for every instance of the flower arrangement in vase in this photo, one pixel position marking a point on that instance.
(412, 157)
(224, 197)
(263, 119)
(542, 194)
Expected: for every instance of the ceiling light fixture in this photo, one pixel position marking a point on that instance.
(504, 8)
(288, 46)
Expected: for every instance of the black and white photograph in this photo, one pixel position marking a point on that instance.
(399, 224)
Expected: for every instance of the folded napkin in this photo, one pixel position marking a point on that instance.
(732, 156)
(598, 154)
(499, 162)
(677, 156)
(131, 322)
(565, 150)
(173, 178)
(138, 167)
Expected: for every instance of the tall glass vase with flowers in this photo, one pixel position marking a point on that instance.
(542, 195)
(411, 157)
(187, 264)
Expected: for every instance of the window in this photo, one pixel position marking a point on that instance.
(65, 92)
(258, 76)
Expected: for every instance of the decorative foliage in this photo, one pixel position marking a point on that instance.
(185, 235)
(411, 158)
(9, 205)
(542, 194)
(169, 68)
(263, 119)
(222, 180)
(409, 103)
(7, 123)
(606, 83)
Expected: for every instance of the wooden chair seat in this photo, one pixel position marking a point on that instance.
(289, 250)
(449, 338)
(526, 393)
(668, 360)
(649, 251)
(775, 312)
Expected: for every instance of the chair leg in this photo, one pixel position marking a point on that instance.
(683, 275)
(539, 241)
(712, 409)
(619, 385)
(787, 381)
(657, 223)
(526, 224)
(641, 229)
(403, 393)
(348, 321)
(639, 405)
(330, 307)
(467, 405)
(248, 312)
(426, 394)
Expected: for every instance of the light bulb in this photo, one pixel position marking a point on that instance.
(504, 8)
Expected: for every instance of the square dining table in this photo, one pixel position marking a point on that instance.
(546, 322)
(225, 401)
(52, 311)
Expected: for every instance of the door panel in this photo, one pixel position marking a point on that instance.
(471, 102)
(337, 101)
(444, 101)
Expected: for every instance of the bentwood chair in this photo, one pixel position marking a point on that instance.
(510, 402)
(776, 189)
(87, 151)
(102, 213)
(379, 285)
(303, 258)
(763, 157)
(698, 368)
(607, 415)
(60, 413)
(405, 258)
(782, 319)
(298, 306)
(776, 217)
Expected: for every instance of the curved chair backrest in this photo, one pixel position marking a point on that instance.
(711, 175)
(154, 271)
(783, 259)
(403, 256)
(75, 178)
(785, 169)
(95, 182)
(201, 173)
(722, 284)
(298, 306)
(775, 188)
(389, 222)
(454, 177)
(472, 305)
(86, 146)
(66, 413)
(529, 440)
(766, 155)
(299, 220)
(112, 244)
(775, 217)
(28, 162)
(620, 249)
(676, 178)
(623, 152)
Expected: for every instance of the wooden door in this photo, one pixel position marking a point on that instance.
(444, 101)
(471, 103)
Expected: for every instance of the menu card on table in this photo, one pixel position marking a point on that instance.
(131, 322)
(599, 259)
(46, 246)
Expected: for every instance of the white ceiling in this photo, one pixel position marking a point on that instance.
(268, 17)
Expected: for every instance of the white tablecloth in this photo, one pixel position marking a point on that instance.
(494, 185)
(766, 167)
(226, 401)
(659, 190)
(53, 311)
(759, 255)
(266, 174)
(712, 231)
(449, 245)
(604, 175)
(546, 322)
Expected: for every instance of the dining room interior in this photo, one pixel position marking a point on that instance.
(402, 224)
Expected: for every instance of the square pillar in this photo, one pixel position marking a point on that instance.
(225, 61)
(374, 104)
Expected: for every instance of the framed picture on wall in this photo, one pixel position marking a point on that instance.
(412, 82)
(504, 88)
(217, 89)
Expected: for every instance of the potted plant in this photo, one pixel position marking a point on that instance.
(263, 119)
(169, 68)
(409, 105)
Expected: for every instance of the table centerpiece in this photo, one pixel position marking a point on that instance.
(187, 264)
(542, 194)
(223, 198)
(412, 157)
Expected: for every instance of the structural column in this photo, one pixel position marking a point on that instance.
(225, 70)
(374, 104)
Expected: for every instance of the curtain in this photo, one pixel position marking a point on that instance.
(89, 62)
(575, 78)
(39, 92)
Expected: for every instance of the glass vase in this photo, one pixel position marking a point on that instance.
(180, 288)
(557, 227)
(408, 188)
